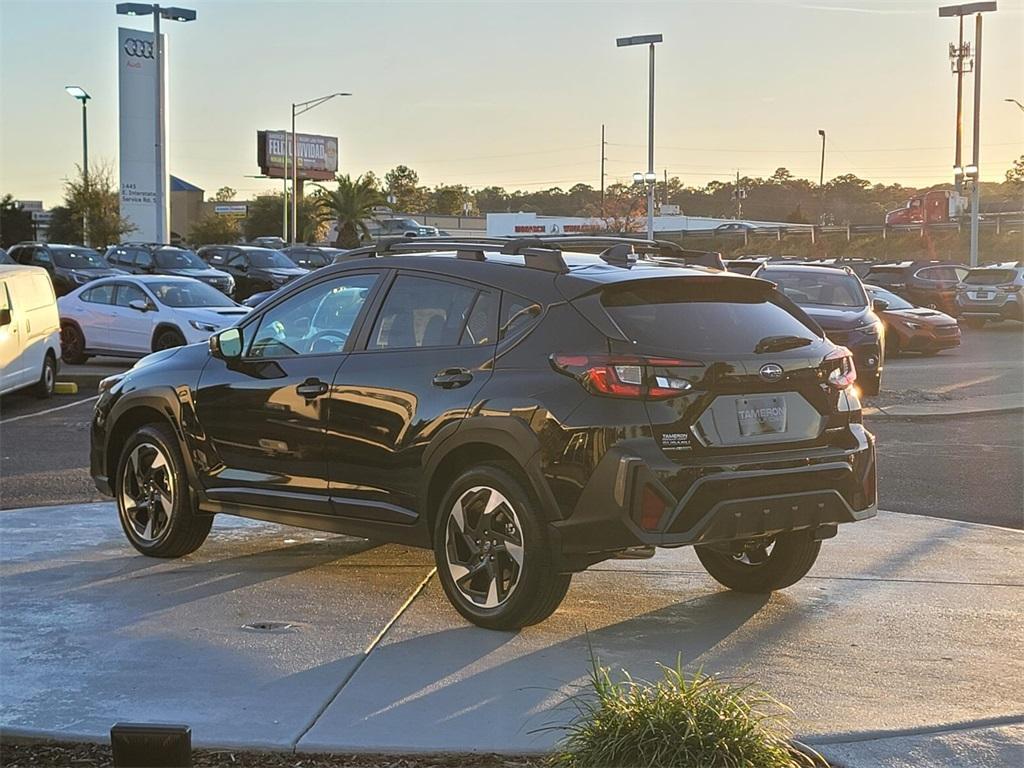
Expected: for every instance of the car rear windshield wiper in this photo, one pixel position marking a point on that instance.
(780, 343)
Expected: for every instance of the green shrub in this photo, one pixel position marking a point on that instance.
(695, 722)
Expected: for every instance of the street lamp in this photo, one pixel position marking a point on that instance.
(79, 93)
(648, 40)
(972, 170)
(299, 109)
(171, 14)
(1014, 101)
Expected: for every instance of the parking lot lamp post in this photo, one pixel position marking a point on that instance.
(1014, 101)
(171, 14)
(650, 177)
(79, 93)
(298, 109)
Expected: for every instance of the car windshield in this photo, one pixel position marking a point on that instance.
(266, 258)
(178, 258)
(890, 298)
(77, 258)
(989, 276)
(818, 288)
(188, 293)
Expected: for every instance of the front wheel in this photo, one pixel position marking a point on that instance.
(494, 557)
(47, 379)
(154, 501)
(761, 566)
(167, 339)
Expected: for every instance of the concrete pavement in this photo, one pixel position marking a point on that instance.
(906, 625)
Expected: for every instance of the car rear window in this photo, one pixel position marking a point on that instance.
(722, 317)
(990, 276)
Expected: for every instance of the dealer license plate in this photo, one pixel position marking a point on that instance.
(761, 415)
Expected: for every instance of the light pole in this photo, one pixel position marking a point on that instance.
(171, 14)
(650, 177)
(79, 93)
(821, 180)
(972, 171)
(299, 109)
(1014, 101)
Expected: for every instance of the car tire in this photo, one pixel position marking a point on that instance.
(43, 388)
(871, 386)
(72, 344)
(506, 582)
(155, 503)
(167, 339)
(792, 555)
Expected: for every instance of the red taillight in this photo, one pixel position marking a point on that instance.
(1011, 288)
(626, 375)
(842, 372)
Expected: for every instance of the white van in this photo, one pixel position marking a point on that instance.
(29, 330)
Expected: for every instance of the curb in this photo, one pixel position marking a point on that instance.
(877, 414)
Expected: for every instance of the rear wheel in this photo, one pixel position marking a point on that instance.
(761, 566)
(167, 339)
(72, 345)
(154, 501)
(493, 554)
(47, 378)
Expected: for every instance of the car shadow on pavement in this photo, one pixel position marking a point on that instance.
(438, 689)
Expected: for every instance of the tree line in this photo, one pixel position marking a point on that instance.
(350, 200)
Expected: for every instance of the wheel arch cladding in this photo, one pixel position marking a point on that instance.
(131, 413)
(163, 328)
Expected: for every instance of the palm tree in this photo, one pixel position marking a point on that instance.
(349, 206)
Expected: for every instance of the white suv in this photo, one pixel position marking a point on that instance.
(992, 292)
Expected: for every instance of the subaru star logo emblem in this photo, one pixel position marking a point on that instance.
(771, 372)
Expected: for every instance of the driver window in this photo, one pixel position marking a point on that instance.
(315, 321)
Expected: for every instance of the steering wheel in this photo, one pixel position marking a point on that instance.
(321, 336)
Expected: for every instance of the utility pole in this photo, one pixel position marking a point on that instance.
(960, 63)
(739, 193)
(821, 179)
(971, 172)
(603, 158)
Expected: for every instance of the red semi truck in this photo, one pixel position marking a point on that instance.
(935, 207)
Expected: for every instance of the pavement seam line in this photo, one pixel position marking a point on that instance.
(48, 410)
(366, 654)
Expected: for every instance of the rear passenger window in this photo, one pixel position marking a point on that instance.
(420, 312)
(101, 294)
(480, 328)
(517, 315)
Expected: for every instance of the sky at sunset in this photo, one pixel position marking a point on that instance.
(514, 93)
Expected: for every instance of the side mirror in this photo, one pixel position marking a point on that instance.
(879, 305)
(5, 317)
(139, 305)
(227, 345)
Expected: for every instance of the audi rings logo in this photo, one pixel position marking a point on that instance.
(140, 49)
(771, 372)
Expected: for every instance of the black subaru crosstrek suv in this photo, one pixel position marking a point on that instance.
(523, 410)
(836, 299)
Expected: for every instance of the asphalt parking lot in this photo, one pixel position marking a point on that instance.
(925, 468)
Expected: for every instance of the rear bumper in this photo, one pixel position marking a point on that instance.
(1010, 309)
(707, 500)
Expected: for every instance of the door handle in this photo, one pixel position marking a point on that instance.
(311, 388)
(452, 378)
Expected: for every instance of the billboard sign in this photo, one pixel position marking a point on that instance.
(318, 155)
(136, 78)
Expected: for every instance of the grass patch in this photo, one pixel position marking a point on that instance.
(692, 722)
